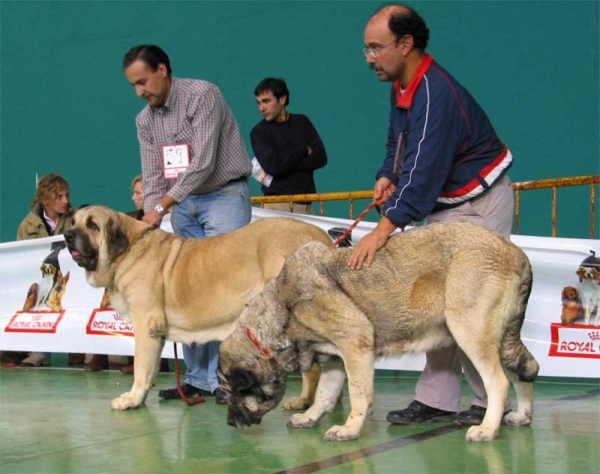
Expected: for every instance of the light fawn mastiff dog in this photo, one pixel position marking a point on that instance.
(427, 287)
(188, 291)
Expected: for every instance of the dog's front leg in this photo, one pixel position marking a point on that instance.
(360, 369)
(148, 347)
(328, 391)
(587, 311)
(310, 379)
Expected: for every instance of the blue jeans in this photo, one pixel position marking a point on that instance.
(200, 216)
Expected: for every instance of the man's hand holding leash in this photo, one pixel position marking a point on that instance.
(365, 250)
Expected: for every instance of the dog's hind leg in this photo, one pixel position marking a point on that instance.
(518, 363)
(521, 368)
(524, 415)
(479, 346)
(327, 393)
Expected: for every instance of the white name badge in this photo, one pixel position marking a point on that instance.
(176, 159)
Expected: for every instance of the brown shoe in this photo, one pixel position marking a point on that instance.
(76, 359)
(127, 369)
(12, 359)
(99, 362)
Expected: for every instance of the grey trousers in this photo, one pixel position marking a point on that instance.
(440, 383)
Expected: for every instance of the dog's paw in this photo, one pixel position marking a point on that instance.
(124, 402)
(516, 418)
(300, 420)
(481, 433)
(296, 403)
(341, 433)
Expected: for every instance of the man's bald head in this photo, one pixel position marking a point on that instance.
(402, 21)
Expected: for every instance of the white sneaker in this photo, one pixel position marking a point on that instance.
(36, 359)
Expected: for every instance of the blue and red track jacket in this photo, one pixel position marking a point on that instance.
(442, 148)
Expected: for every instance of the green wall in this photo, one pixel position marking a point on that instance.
(67, 108)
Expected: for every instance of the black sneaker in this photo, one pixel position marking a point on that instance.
(220, 396)
(474, 415)
(188, 391)
(416, 412)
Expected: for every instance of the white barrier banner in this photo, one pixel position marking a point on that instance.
(48, 306)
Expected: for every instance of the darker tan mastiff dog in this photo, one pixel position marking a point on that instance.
(170, 288)
(426, 288)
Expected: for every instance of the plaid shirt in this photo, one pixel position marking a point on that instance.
(195, 113)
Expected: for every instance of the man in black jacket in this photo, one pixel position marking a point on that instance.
(287, 148)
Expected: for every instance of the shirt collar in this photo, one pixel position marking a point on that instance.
(49, 221)
(172, 94)
(404, 98)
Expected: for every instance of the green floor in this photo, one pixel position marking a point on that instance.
(59, 420)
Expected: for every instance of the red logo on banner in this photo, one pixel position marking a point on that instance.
(108, 322)
(575, 341)
(39, 321)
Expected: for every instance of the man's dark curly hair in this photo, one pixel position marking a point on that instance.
(276, 85)
(408, 23)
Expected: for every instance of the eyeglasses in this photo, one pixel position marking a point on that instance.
(376, 51)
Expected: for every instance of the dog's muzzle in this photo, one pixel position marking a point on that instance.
(242, 419)
(87, 259)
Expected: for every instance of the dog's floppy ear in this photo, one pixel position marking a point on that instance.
(116, 238)
(240, 380)
(287, 354)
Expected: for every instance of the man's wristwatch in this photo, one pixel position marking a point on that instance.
(161, 210)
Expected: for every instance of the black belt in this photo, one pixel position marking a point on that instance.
(237, 180)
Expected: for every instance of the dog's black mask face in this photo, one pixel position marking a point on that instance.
(86, 236)
(81, 249)
(251, 395)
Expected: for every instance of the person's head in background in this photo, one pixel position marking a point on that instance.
(138, 192)
(53, 194)
(272, 97)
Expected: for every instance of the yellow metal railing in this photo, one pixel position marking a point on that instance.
(352, 196)
(554, 184)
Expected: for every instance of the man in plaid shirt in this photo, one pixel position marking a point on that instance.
(194, 165)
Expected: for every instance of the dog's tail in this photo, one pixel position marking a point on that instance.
(515, 357)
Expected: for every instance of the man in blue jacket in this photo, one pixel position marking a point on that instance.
(444, 162)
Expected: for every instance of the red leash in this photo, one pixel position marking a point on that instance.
(189, 402)
(355, 223)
